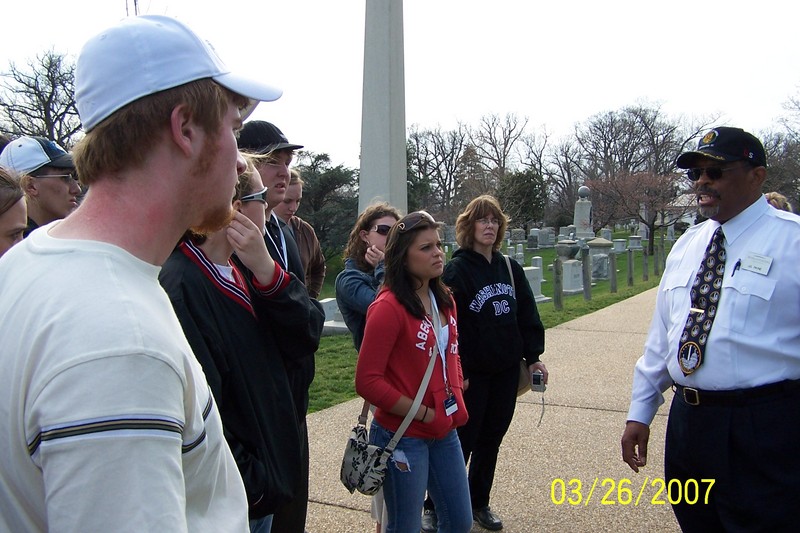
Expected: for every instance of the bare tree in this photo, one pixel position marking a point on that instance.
(474, 177)
(39, 100)
(656, 200)
(562, 178)
(437, 156)
(791, 121)
(783, 164)
(523, 193)
(495, 140)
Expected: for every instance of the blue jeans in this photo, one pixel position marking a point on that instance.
(419, 464)
(261, 525)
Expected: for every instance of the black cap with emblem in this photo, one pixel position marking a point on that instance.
(726, 145)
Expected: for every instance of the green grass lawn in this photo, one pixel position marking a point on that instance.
(336, 357)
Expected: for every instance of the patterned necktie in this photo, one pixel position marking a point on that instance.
(705, 293)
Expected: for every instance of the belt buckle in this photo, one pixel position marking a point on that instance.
(691, 396)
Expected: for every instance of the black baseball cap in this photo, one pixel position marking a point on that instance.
(261, 137)
(726, 145)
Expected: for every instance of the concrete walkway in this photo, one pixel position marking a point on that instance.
(590, 360)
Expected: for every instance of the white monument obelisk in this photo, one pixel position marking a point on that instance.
(383, 108)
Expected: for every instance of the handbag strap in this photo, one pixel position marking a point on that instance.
(417, 401)
(510, 273)
(362, 418)
(514, 288)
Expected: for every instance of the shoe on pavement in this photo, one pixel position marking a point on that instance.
(487, 519)
(430, 524)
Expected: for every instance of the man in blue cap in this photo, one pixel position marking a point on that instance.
(47, 175)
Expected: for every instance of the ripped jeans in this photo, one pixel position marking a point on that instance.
(419, 464)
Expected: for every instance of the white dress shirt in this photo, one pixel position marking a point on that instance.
(755, 338)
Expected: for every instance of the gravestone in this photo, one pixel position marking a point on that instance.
(449, 234)
(572, 269)
(599, 246)
(635, 242)
(517, 235)
(619, 246)
(572, 276)
(533, 240)
(331, 310)
(546, 238)
(606, 233)
(671, 232)
(582, 219)
(534, 277)
(600, 266)
(536, 262)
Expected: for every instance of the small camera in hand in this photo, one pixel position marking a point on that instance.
(537, 382)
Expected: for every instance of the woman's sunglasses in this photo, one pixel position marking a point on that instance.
(411, 220)
(381, 229)
(260, 196)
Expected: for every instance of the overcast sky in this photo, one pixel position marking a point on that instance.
(557, 63)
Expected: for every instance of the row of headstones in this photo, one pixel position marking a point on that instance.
(546, 237)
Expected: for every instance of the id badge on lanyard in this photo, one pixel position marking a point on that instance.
(450, 405)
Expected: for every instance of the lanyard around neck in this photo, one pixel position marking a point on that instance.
(282, 253)
(437, 329)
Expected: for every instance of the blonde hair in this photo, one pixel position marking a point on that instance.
(779, 201)
(295, 178)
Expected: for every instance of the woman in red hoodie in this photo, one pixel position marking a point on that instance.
(412, 319)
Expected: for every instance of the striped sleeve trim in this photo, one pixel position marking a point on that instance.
(280, 280)
(187, 447)
(104, 426)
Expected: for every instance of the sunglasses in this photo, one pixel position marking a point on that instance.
(713, 173)
(260, 196)
(412, 220)
(381, 229)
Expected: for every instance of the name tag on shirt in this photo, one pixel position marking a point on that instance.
(450, 405)
(757, 263)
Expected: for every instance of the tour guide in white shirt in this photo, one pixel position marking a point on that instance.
(734, 421)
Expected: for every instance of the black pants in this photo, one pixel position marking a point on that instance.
(291, 517)
(490, 400)
(751, 453)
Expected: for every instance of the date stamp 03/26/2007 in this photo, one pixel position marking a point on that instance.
(610, 491)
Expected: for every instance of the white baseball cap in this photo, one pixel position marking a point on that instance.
(28, 154)
(147, 54)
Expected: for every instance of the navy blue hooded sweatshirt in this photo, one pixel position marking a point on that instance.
(495, 327)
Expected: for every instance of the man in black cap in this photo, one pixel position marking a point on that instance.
(725, 338)
(47, 175)
(265, 139)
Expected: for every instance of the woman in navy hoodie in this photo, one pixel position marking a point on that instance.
(498, 324)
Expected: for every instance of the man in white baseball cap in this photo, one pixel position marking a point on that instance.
(47, 175)
(109, 423)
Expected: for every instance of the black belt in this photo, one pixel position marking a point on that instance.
(693, 396)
